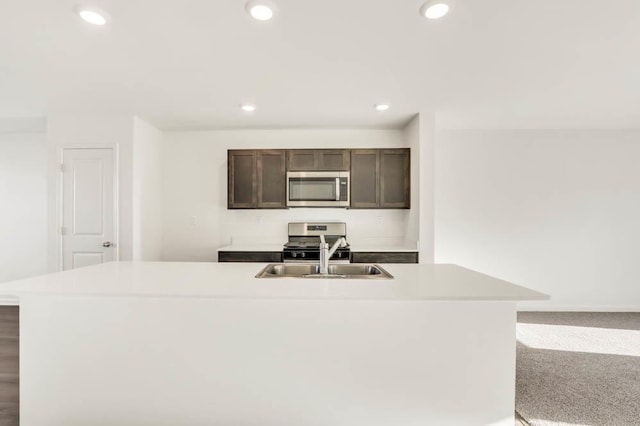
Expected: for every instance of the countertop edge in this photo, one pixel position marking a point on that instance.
(236, 281)
(13, 298)
(276, 248)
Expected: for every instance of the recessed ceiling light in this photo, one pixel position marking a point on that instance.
(248, 107)
(92, 15)
(261, 10)
(435, 9)
(381, 107)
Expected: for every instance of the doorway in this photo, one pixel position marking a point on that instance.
(89, 208)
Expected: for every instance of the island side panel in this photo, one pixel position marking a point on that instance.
(149, 361)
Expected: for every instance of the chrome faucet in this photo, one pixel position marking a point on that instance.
(326, 252)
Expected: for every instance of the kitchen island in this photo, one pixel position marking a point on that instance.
(208, 344)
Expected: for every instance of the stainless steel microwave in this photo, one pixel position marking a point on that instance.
(318, 189)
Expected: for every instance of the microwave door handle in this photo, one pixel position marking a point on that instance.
(337, 189)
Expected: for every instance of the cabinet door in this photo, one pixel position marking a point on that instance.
(394, 179)
(365, 171)
(271, 171)
(250, 256)
(303, 159)
(242, 182)
(384, 257)
(334, 159)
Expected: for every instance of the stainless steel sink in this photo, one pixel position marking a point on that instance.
(312, 270)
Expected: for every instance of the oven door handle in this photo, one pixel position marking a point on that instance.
(337, 189)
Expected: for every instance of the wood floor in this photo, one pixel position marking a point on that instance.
(9, 347)
(9, 390)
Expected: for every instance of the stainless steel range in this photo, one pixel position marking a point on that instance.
(304, 242)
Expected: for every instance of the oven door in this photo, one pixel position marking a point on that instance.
(318, 189)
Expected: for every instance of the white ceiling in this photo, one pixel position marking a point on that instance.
(189, 64)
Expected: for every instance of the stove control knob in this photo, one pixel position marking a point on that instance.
(302, 254)
(294, 254)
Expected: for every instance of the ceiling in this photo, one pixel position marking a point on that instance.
(189, 64)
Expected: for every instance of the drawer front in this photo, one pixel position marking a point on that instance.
(250, 256)
(384, 257)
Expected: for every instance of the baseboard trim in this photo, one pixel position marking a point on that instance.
(577, 308)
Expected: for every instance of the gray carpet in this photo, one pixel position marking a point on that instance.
(578, 368)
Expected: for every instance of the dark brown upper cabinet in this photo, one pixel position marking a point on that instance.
(257, 179)
(380, 178)
(395, 177)
(242, 181)
(272, 175)
(318, 159)
(334, 159)
(365, 176)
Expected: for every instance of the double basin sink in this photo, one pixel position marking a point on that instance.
(312, 270)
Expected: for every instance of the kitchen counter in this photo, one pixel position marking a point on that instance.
(363, 246)
(233, 280)
(382, 248)
(207, 343)
(248, 247)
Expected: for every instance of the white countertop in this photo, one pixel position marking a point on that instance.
(382, 248)
(237, 280)
(358, 246)
(252, 247)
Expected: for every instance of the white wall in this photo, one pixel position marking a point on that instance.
(147, 191)
(196, 219)
(556, 211)
(420, 137)
(23, 205)
(23, 125)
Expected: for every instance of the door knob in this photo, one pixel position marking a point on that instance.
(106, 244)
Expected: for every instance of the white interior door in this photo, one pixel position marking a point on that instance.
(88, 207)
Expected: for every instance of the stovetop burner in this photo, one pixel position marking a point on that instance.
(310, 244)
(304, 242)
